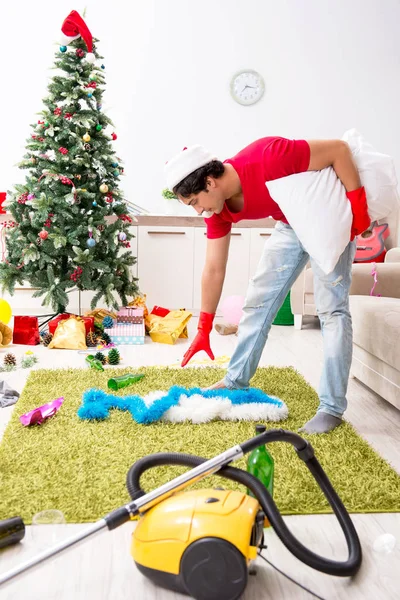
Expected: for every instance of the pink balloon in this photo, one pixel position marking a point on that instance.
(232, 309)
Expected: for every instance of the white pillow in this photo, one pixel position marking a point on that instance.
(316, 206)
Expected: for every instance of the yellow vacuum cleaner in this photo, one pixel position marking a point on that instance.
(201, 543)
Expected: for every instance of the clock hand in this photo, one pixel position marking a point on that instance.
(251, 87)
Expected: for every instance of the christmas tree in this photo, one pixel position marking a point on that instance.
(71, 227)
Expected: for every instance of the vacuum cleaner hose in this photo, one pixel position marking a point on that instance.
(331, 567)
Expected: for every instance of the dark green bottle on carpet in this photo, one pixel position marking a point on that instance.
(261, 464)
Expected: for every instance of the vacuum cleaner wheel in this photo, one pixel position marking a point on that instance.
(214, 569)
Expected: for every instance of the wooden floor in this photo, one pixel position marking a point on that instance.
(101, 568)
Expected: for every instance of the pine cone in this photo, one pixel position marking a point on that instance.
(113, 357)
(46, 339)
(108, 322)
(10, 359)
(91, 340)
(101, 357)
(104, 339)
(98, 328)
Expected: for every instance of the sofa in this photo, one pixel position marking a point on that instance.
(302, 293)
(376, 327)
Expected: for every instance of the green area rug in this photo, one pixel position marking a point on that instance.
(79, 467)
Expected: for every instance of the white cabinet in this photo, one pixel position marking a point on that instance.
(169, 267)
(165, 265)
(134, 248)
(258, 237)
(237, 271)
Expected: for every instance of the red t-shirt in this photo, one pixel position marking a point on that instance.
(264, 160)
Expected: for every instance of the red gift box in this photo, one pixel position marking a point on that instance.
(26, 331)
(88, 321)
(3, 196)
(159, 311)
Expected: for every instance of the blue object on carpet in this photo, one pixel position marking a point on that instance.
(96, 404)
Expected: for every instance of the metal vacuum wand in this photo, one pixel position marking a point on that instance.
(125, 513)
(94, 528)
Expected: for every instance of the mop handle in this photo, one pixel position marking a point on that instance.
(125, 513)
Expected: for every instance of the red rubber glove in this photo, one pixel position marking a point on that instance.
(202, 339)
(359, 208)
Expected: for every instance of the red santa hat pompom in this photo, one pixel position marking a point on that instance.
(72, 28)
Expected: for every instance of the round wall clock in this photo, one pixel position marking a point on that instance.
(247, 87)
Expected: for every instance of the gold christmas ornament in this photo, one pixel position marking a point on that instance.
(86, 137)
(103, 188)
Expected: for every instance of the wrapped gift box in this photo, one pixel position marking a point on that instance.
(88, 321)
(129, 314)
(127, 333)
(26, 331)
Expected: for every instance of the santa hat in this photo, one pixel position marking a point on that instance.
(184, 163)
(73, 27)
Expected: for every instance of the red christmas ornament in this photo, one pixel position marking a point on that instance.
(40, 122)
(113, 136)
(41, 139)
(80, 53)
(92, 84)
(63, 150)
(109, 198)
(65, 180)
(126, 244)
(43, 235)
(33, 136)
(57, 111)
(68, 115)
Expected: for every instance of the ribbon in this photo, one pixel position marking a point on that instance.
(375, 276)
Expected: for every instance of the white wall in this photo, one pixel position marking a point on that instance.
(328, 66)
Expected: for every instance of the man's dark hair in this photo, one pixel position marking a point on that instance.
(196, 182)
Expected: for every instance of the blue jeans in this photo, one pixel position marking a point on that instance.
(282, 261)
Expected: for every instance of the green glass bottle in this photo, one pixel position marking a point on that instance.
(94, 362)
(116, 383)
(261, 464)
